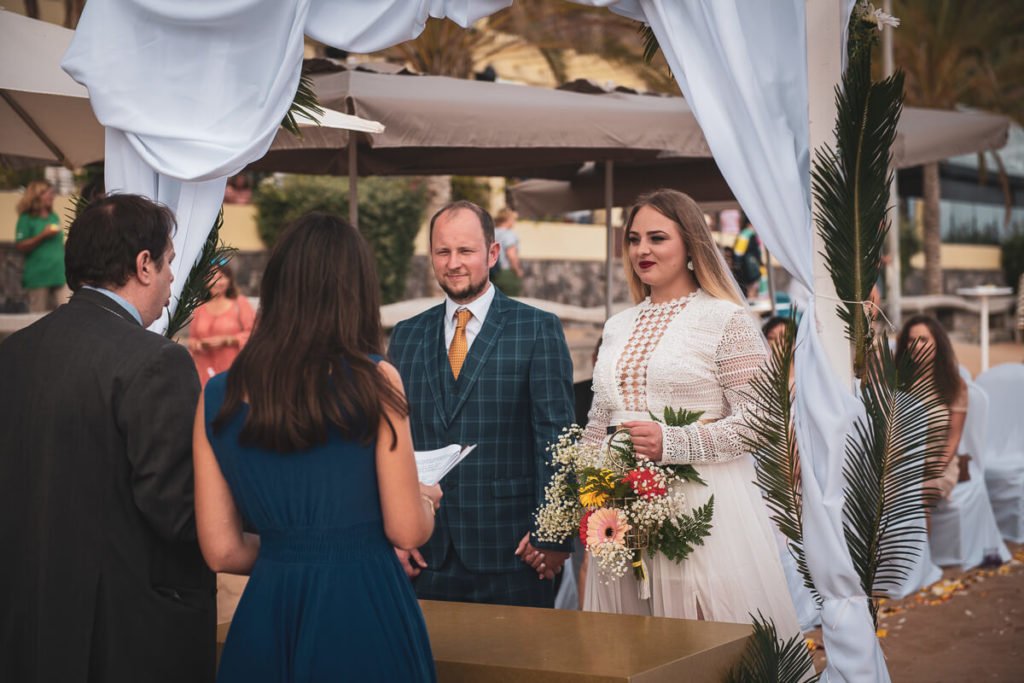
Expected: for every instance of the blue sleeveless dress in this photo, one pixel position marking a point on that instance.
(327, 599)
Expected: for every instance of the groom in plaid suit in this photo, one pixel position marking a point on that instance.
(484, 369)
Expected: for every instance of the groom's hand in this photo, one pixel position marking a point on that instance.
(547, 563)
(412, 562)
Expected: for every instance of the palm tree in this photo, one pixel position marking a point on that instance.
(958, 53)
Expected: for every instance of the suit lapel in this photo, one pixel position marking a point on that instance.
(435, 359)
(483, 346)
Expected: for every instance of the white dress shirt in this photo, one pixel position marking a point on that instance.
(478, 307)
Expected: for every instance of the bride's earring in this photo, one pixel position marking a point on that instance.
(689, 264)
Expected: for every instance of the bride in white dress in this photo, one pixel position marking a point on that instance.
(689, 343)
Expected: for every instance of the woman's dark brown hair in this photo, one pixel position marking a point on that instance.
(307, 366)
(942, 359)
(225, 271)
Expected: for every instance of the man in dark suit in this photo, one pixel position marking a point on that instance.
(484, 369)
(102, 579)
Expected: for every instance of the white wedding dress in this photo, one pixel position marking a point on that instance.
(698, 354)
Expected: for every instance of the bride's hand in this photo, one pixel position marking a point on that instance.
(647, 439)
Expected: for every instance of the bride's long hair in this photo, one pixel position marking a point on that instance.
(709, 267)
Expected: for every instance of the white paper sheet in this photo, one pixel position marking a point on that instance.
(433, 465)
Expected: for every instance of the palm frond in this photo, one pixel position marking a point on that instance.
(304, 103)
(766, 658)
(651, 46)
(76, 205)
(197, 285)
(893, 450)
(851, 186)
(770, 438)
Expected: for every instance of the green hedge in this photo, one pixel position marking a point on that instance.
(390, 214)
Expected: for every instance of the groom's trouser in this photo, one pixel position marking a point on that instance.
(453, 581)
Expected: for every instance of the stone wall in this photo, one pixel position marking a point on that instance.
(12, 297)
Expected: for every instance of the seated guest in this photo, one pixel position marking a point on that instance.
(307, 439)
(103, 579)
(773, 329)
(942, 366)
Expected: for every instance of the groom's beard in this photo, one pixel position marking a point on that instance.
(471, 291)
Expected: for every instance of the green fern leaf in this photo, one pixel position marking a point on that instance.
(676, 540)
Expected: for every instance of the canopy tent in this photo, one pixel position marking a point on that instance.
(45, 117)
(923, 136)
(438, 126)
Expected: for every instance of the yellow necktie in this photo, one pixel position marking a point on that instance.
(457, 351)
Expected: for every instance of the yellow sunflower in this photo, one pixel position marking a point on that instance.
(596, 489)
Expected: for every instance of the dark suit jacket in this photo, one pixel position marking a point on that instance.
(513, 398)
(101, 577)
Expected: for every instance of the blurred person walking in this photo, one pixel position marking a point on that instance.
(507, 274)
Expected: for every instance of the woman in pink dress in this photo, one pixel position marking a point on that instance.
(220, 327)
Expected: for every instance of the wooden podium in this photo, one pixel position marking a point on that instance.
(473, 643)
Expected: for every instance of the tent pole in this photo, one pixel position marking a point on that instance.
(771, 279)
(609, 238)
(893, 286)
(353, 182)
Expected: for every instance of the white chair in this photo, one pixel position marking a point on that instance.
(963, 527)
(1004, 455)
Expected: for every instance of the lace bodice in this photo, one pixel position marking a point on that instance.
(648, 327)
(699, 355)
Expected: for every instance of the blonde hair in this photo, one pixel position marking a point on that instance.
(29, 202)
(504, 216)
(708, 266)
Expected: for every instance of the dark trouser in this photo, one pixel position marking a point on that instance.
(454, 582)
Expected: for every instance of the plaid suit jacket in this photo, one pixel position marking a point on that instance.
(512, 399)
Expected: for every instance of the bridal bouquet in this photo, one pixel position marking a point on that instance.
(620, 505)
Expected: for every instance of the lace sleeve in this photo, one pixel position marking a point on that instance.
(597, 421)
(739, 356)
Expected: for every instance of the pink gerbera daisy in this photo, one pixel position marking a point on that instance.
(607, 525)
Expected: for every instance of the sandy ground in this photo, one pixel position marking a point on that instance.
(969, 355)
(967, 627)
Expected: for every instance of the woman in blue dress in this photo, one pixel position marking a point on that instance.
(305, 477)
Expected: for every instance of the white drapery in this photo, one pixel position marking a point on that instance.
(192, 92)
(742, 66)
